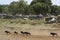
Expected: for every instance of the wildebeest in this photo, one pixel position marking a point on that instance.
(26, 33)
(53, 34)
(15, 32)
(7, 32)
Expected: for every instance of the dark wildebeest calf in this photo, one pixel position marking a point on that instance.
(53, 34)
(15, 32)
(7, 32)
(26, 33)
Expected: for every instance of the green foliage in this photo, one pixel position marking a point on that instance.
(41, 1)
(24, 8)
(13, 8)
(55, 10)
(20, 7)
(1, 8)
(36, 7)
(5, 9)
(41, 8)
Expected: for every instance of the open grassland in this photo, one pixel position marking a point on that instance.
(26, 24)
(37, 28)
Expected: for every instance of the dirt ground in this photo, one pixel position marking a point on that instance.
(42, 34)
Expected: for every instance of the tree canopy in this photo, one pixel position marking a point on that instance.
(41, 1)
(41, 8)
(35, 7)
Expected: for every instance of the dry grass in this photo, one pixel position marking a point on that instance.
(26, 24)
(38, 29)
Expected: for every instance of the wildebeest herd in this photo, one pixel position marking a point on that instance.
(28, 33)
(15, 32)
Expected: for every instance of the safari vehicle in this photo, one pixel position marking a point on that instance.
(50, 20)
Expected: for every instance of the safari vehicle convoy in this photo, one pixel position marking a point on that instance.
(29, 20)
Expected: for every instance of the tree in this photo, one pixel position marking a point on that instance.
(5, 11)
(1, 8)
(41, 8)
(20, 7)
(55, 10)
(23, 7)
(41, 1)
(13, 7)
(58, 10)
